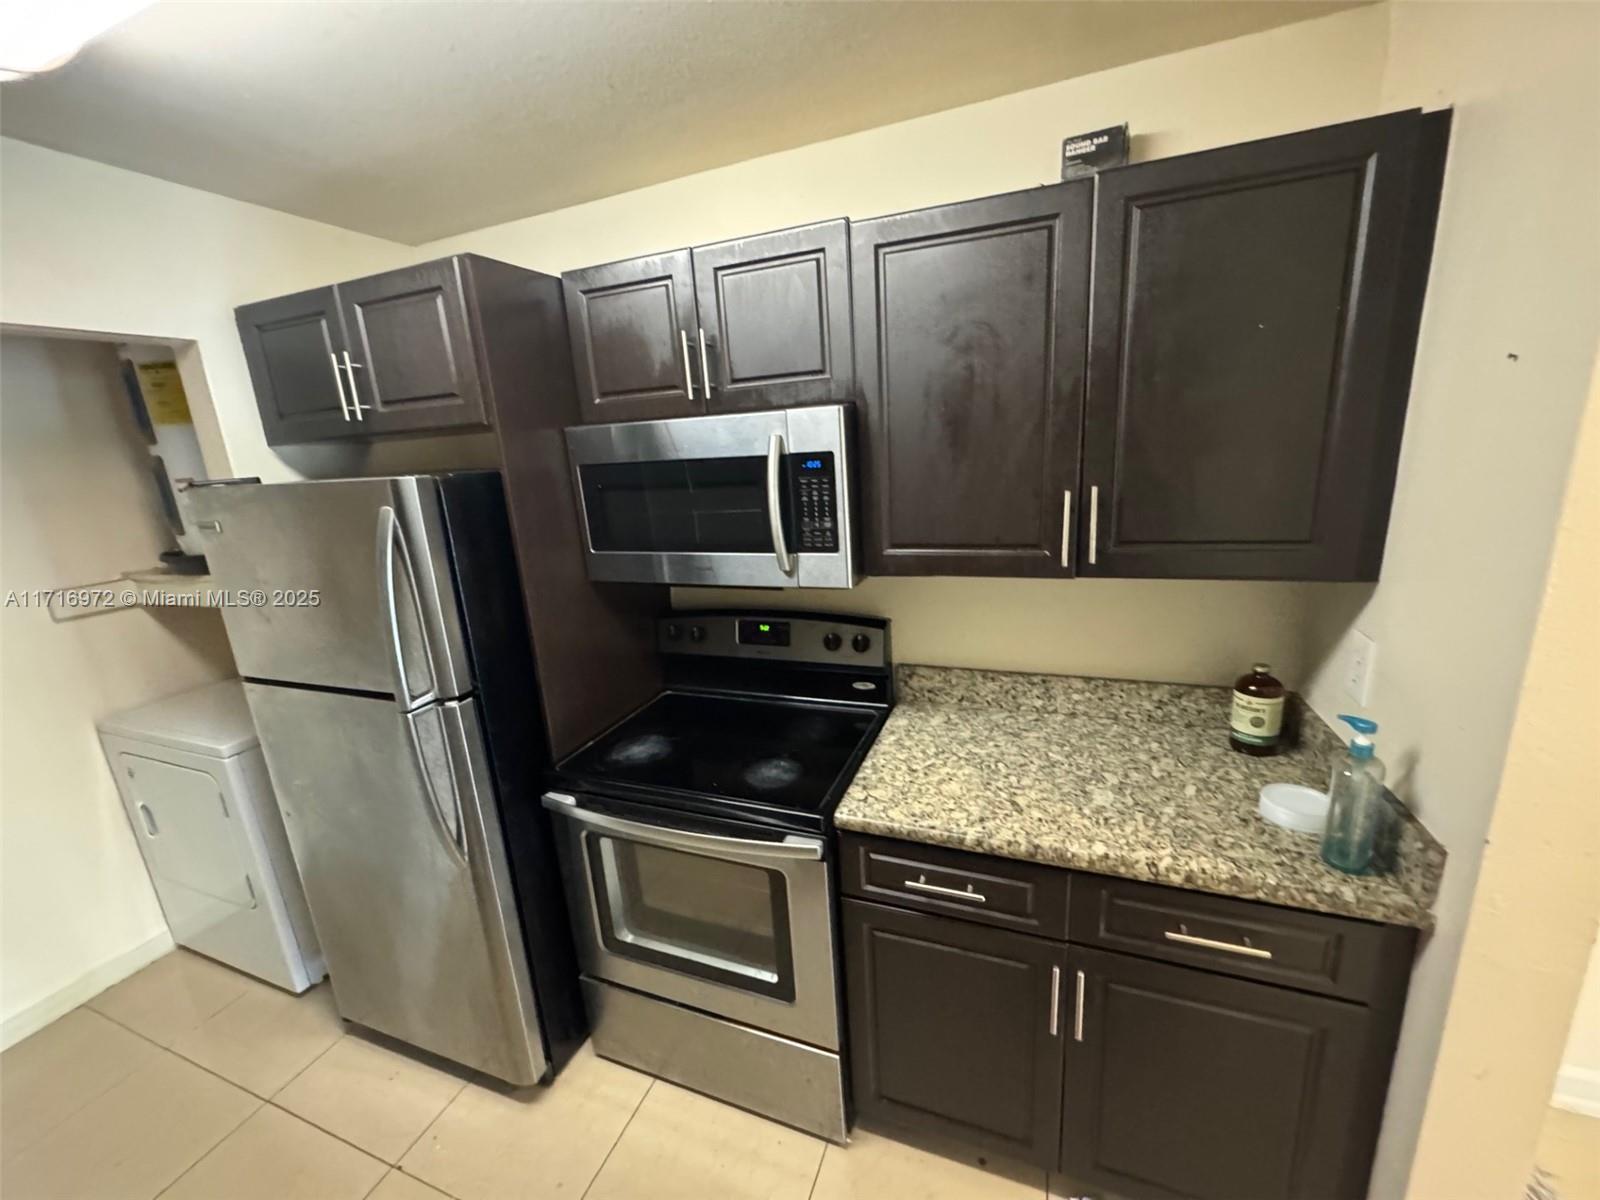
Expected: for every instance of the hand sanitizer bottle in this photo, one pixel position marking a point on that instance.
(1356, 805)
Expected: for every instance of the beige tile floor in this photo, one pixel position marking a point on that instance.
(190, 1081)
(1569, 1154)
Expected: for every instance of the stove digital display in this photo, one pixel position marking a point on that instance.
(763, 633)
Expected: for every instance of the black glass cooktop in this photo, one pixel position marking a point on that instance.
(773, 754)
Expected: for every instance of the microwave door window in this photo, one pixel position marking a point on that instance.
(698, 506)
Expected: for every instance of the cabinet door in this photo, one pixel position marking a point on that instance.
(292, 346)
(1180, 1083)
(954, 1029)
(632, 324)
(969, 329)
(774, 318)
(1255, 314)
(411, 353)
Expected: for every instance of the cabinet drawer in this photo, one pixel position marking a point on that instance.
(1332, 955)
(990, 891)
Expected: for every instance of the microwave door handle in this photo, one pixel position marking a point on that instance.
(392, 553)
(780, 548)
(792, 847)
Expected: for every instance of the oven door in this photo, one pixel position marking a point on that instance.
(741, 927)
(759, 499)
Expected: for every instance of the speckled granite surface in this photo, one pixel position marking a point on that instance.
(1120, 778)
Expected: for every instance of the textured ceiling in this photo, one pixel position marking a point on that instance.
(421, 119)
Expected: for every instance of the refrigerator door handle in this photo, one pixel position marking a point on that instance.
(393, 553)
(452, 833)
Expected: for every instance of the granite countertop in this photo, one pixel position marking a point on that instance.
(1129, 779)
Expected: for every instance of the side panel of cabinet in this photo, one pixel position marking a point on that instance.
(632, 324)
(412, 357)
(774, 316)
(970, 322)
(1254, 317)
(1193, 1085)
(291, 345)
(951, 1029)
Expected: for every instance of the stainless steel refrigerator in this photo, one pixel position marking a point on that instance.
(379, 628)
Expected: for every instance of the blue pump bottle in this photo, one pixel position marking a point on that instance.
(1357, 808)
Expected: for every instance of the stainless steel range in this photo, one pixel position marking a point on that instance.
(694, 842)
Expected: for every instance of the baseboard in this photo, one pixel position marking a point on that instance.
(1578, 1090)
(87, 986)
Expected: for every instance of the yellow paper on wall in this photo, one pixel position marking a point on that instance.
(162, 389)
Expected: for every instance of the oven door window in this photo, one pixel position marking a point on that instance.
(685, 506)
(723, 921)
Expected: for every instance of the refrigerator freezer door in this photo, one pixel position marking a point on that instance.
(341, 583)
(395, 826)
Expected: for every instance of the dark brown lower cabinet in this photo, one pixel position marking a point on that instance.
(1240, 1074)
(954, 1030)
(1182, 1083)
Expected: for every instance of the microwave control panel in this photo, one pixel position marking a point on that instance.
(814, 489)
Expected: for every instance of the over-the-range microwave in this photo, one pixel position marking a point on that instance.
(756, 499)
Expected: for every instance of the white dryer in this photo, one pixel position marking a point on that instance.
(191, 775)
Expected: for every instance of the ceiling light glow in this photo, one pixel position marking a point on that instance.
(40, 35)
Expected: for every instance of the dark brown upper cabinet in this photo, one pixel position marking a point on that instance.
(955, 1029)
(293, 346)
(970, 322)
(1255, 312)
(411, 365)
(633, 330)
(774, 318)
(758, 322)
(1184, 1084)
(394, 353)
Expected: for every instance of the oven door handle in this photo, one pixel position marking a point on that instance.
(792, 847)
(780, 548)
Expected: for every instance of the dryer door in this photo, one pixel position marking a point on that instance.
(190, 838)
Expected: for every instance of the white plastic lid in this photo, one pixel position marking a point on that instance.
(213, 720)
(1294, 806)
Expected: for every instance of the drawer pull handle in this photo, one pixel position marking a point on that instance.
(1188, 939)
(1055, 1001)
(1077, 1011)
(921, 884)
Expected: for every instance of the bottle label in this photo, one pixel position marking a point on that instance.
(1256, 719)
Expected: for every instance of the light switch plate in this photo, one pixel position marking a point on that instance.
(1360, 658)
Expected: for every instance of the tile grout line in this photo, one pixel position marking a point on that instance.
(212, 1149)
(620, 1134)
(817, 1174)
(437, 1117)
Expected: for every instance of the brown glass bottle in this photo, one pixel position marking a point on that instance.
(1256, 720)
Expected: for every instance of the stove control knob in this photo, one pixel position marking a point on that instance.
(697, 633)
(831, 641)
(674, 631)
(861, 643)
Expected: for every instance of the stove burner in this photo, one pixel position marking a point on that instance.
(770, 774)
(637, 751)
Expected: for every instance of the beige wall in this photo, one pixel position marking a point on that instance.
(1534, 916)
(76, 505)
(1578, 1081)
(1508, 337)
(94, 248)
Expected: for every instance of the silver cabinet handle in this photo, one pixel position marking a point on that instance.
(149, 820)
(792, 846)
(392, 553)
(338, 382)
(780, 548)
(1094, 524)
(688, 371)
(1055, 1000)
(1183, 935)
(921, 884)
(1077, 1010)
(1066, 529)
(350, 369)
(705, 367)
